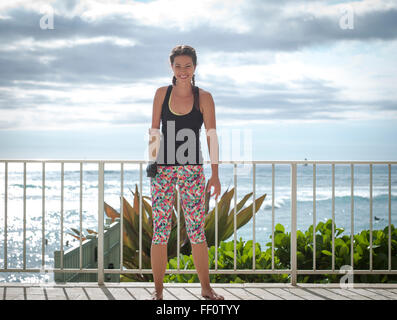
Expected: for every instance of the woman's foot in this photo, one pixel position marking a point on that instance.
(210, 294)
(157, 295)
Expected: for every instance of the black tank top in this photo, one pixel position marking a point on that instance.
(180, 142)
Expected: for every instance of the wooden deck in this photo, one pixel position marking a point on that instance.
(248, 291)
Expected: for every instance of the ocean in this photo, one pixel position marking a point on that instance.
(282, 203)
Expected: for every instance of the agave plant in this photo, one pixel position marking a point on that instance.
(131, 227)
(226, 216)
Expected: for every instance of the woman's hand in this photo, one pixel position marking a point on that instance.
(214, 182)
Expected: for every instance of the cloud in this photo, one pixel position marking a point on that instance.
(107, 57)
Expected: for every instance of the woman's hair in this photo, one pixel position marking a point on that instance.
(183, 50)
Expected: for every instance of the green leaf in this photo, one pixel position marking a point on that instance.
(242, 217)
(280, 228)
(326, 239)
(319, 226)
(230, 254)
(240, 204)
(278, 238)
(339, 242)
(326, 252)
(223, 209)
(359, 250)
(344, 251)
(339, 231)
(356, 258)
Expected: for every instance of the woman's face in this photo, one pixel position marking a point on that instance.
(183, 68)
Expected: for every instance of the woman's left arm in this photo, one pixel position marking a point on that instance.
(208, 107)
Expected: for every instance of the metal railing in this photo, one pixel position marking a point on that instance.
(293, 271)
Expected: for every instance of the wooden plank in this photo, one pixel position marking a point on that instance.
(35, 293)
(384, 292)
(167, 295)
(263, 294)
(120, 294)
(242, 294)
(13, 293)
(140, 293)
(283, 294)
(182, 294)
(330, 294)
(76, 293)
(226, 294)
(351, 294)
(96, 293)
(55, 294)
(370, 294)
(196, 292)
(304, 293)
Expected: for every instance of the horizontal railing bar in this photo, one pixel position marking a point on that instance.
(212, 271)
(208, 162)
(146, 271)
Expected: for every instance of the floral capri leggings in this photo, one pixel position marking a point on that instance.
(191, 182)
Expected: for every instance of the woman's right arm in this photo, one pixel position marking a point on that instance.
(154, 131)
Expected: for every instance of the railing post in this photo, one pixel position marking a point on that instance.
(101, 186)
(293, 223)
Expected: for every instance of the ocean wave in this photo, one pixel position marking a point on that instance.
(324, 196)
(283, 201)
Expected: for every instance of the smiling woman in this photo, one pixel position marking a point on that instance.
(180, 163)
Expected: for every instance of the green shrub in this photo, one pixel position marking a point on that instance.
(282, 241)
(244, 259)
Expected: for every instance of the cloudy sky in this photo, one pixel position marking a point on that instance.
(294, 79)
